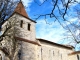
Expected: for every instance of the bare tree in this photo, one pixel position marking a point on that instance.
(8, 44)
(73, 31)
(63, 8)
(6, 8)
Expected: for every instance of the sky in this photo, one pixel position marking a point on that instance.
(52, 31)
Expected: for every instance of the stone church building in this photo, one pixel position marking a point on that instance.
(20, 42)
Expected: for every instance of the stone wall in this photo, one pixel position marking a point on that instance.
(28, 51)
(18, 50)
(74, 55)
(52, 52)
(24, 32)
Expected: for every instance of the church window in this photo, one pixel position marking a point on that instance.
(29, 26)
(78, 57)
(0, 57)
(21, 23)
(0, 29)
(19, 54)
(53, 53)
(41, 53)
(61, 56)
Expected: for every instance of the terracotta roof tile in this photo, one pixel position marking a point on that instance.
(21, 10)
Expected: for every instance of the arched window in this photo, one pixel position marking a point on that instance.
(29, 26)
(21, 23)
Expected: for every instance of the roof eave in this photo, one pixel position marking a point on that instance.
(59, 45)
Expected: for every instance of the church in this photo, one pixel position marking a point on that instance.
(20, 42)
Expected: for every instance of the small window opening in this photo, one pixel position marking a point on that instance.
(19, 54)
(78, 57)
(29, 26)
(0, 57)
(21, 23)
(61, 56)
(53, 53)
(0, 29)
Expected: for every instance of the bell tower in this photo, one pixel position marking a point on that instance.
(23, 28)
(26, 25)
(26, 30)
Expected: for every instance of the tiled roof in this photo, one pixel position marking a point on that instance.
(21, 10)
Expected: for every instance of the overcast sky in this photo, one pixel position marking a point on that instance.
(54, 31)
